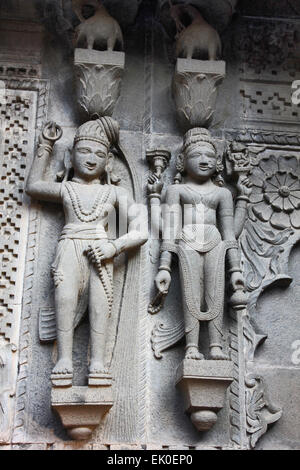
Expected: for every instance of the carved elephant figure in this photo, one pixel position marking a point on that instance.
(102, 29)
(200, 39)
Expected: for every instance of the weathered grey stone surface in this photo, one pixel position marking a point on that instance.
(254, 108)
(195, 90)
(98, 80)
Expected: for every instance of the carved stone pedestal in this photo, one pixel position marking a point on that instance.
(98, 79)
(81, 409)
(195, 90)
(203, 385)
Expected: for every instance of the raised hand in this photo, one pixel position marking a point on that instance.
(155, 185)
(244, 186)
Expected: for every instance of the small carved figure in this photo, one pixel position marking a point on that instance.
(199, 39)
(101, 29)
(200, 227)
(83, 267)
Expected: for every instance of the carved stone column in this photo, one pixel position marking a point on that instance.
(195, 91)
(98, 80)
(203, 385)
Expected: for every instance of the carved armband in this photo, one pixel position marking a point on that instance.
(168, 246)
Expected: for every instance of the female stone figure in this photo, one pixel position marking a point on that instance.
(199, 226)
(83, 267)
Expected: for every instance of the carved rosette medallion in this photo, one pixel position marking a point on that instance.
(98, 80)
(195, 89)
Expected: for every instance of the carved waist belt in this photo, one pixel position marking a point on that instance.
(78, 232)
(201, 237)
(217, 260)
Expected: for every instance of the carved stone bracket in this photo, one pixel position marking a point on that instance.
(81, 409)
(98, 79)
(195, 91)
(203, 385)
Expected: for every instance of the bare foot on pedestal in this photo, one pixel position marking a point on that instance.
(192, 352)
(217, 354)
(63, 366)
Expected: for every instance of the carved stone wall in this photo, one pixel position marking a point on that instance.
(18, 117)
(254, 108)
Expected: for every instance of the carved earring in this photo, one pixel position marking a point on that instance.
(64, 174)
(108, 178)
(219, 168)
(109, 169)
(179, 168)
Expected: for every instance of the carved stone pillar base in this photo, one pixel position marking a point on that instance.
(203, 385)
(98, 79)
(81, 409)
(195, 90)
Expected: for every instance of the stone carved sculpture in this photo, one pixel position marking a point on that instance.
(98, 79)
(199, 40)
(100, 30)
(216, 12)
(83, 267)
(201, 227)
(201, 244)
(195, 91)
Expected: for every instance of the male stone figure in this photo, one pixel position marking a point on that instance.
(83, 267)
(201, 240)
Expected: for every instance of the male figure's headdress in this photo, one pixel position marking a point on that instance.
(196, 136)
(104, 130)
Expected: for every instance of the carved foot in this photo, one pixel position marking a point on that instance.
(98, 375)
(62, 373)
(217, 354)
(63, 366)
(192, 352)
(96, 367)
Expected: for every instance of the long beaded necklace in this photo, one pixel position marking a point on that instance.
(97, 208)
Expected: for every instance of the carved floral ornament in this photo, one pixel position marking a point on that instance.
(276, 191)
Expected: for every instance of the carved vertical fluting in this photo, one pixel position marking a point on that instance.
(144, 348)
(25, 340)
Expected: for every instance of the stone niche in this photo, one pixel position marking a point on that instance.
(243, 393)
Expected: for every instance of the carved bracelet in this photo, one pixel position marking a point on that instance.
(235, 270)
(49, 148)
(243, 198)
(115, 247)
(164, 268)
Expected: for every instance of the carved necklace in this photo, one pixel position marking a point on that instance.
(202, 198)
(97, 208)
